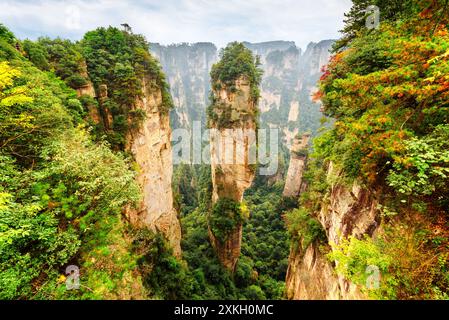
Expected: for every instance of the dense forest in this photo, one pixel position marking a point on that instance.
(68, 174)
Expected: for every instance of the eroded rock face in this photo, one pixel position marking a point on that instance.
(187, 67)
(87, 89)
(288, 83)
(310, 276)
(151, 147)
(232, 173)
(298, 158)
(348, 211)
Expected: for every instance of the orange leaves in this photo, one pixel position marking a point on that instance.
(442, 32)
(379, 106)
(382, 119)
(402, 134)
(317, 96)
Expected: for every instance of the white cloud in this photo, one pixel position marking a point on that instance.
(172, 21)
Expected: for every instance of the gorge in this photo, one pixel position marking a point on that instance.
(357, 208)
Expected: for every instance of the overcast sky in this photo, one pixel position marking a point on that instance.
(174, 21)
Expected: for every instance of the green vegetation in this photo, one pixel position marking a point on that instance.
(405, 256)
(424, 173)
(62, 188)
(163, 275)
(390, 10)
(121, 61)
(304, 229)
(226, 215)
(267, 250)
(388, 92)
(62, 57)
(56, 185)
(399, 97)
(354, 256)
(260, 272)
(236, 62)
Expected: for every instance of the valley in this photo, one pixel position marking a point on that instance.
(316, 173)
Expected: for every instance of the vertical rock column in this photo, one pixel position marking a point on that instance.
(298, 157)
(232, 172)
(151, 147)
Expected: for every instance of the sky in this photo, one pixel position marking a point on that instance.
(175, 21)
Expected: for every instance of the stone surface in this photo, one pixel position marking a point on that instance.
(187, 68)
(232, 173)
(151, 148)
(348, 211)
(88, 89)
(310, 276)
(293, 181)
(289, 80)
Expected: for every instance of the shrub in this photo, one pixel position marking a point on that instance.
(303, 228)
(225, 217)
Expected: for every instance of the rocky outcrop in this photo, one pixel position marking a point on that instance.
(347, 211)
(88, 89)
(298, 157)
(187, 68)
(232, 173)
(310, 276)
(151, 147)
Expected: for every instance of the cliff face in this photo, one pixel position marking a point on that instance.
(151, 147)
(187, 68)
(279, 102)
(348, 211)
(298, 157)
(89, 90)
(231, 172)
(288, 81)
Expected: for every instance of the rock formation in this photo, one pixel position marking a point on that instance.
(288, 83)
(232, 173)
(298, 157)
(289, 80)
(348, 211)
(151, 147)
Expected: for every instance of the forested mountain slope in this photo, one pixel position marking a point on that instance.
(376, 204)
(57, 207)
(74, 160)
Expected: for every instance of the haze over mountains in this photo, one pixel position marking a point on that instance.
(289, 79)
